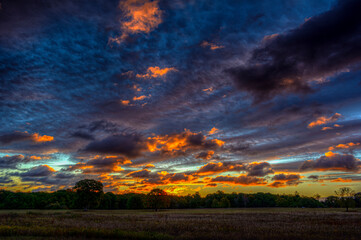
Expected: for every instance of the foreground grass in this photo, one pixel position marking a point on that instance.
(268, 223)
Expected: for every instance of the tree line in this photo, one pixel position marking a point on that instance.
(88, 194)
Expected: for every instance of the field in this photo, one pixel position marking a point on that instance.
(268, 223)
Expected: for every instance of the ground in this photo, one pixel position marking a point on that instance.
(265, 223)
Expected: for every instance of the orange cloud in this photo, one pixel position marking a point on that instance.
(341, 180)
(208, 89)
(154, 72)
(213, 131)
(101, 165)
(211, 46)
(140, 98)
(38, 138)
(39, 157)
(344, 146)
(140, 16)
(323, 120)
(125, 102)
(137, 88)
(181, 142)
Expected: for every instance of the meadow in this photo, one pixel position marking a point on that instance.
(259, 223)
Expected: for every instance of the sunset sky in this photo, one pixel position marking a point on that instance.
(184, 95)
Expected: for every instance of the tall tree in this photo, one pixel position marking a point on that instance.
(89, 193)
(157, 198)
(346, 195)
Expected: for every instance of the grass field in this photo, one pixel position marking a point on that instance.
(268, 223)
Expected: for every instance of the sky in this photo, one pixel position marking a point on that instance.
(184, 95)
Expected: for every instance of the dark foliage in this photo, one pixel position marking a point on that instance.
(69, 199)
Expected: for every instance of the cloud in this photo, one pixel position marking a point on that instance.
(15, 137)
(210, 45)
(259, 169)
(140, 98)
(140, 16)
(12, 162)
(287, 62)
(213, 131)
(98, 164)
(154, 72)
(344, 146)
(24, 136)
(341, 180)
(283, 180)
(333, 162)
(240, 180)
(38, 171)
(181, 142)
(125, 102)
(205, 155)
(144, 173)
(254, 169)
(324, 120)
(45, 138)
(4, 180)
(82, 135)
(315, 177)
(164, 178)
(213, 168)
(131, 145)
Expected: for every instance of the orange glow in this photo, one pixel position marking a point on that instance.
(323, 120)
(213, 131)
(45, 138)
(137, 88)
(139, 16)
(154, 72)
(344, 146)
(330, 154)
(219, 142)
(208, 89)
(341, 180)
(125, 102)
(164, 173)
(211, 46)
(179, 142)
(140, 98)
(49, 168)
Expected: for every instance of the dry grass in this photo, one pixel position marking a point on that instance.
(271, 223)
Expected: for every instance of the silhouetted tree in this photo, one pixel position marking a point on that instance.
(157, 198)
(89, 193)
(135, 201)
(357, 198)
(346, 195)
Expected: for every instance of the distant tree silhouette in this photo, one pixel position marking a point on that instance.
(157, 199)
(346, 195)
(357, 198)
(135, 201)
(89, 193)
